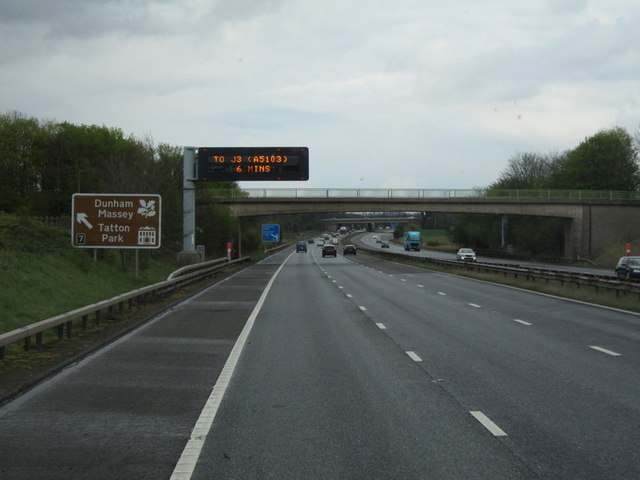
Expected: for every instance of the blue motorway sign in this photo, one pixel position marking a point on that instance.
(270, 232)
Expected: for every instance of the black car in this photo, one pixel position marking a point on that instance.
(628, 267)
(349, 250)
(330, 251)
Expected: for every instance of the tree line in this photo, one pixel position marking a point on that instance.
(43, 163)
(607, 160)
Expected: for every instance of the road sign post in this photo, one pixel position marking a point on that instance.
(113, 220)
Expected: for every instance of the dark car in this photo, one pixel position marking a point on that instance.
(384, 244)
(349, 250)
(330, 251)
(301, 247)
(628, 267)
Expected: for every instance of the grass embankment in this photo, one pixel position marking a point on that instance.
(43, 276)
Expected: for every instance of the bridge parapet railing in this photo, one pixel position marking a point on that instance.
(426, 193)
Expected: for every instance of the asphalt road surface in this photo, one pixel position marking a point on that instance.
(368, 240)
(350, 367)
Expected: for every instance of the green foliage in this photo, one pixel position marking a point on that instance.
(525, 171)
(605, 161)
(23, 234)
(536, 235)
(42, 164)
(478, 231)
(42, 275)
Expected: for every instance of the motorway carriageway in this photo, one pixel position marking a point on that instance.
(348, 367)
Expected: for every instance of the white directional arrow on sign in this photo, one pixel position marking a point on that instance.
(82, 218)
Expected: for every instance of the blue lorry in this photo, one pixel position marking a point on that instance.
(412, 241)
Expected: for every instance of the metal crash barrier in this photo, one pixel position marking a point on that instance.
(63, 323)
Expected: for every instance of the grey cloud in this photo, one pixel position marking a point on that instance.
(276, 118)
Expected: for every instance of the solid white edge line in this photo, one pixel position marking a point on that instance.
(414, 356)
(189, 458)
(604, 350)
(488, 424)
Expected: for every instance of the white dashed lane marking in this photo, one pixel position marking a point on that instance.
(522, 322)
(414, 356)
(488, 424)
(604, 350)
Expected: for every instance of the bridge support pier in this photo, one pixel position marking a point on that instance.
(504, 224)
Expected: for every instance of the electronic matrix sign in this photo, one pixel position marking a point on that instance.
(230, 164)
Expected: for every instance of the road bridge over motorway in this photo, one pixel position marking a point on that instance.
(593, 219)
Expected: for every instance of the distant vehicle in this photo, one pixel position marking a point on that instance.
(334, 241)
(320, 243)
(384, 244)
(311, 240)
(342, 230)
(349, 250)
(301, 247)
(628, 267)
(466, 255)
(412, 241)
(329, 251)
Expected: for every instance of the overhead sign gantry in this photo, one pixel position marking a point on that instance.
(231, 164)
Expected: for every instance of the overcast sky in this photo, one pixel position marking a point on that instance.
(386, 94)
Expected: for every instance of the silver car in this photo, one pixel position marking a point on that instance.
(466, 255)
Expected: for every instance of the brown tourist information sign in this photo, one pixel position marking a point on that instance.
(102, 220)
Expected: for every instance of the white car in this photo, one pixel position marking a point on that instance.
(466, 255)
